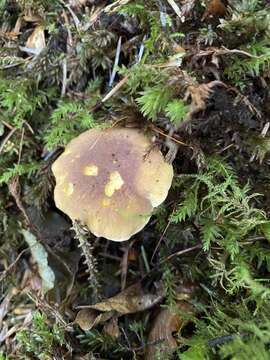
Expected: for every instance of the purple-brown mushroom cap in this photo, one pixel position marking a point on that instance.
(110, 180)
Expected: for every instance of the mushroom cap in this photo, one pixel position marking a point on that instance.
(111, 180)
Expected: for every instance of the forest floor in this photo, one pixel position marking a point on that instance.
(194, 76)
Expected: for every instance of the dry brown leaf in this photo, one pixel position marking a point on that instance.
(160, 337)
(37, 39)
(112, 329)
(199, 95)
(17, 27)
(215, 9)
(129, 301)
(89, 318)
(33, 18)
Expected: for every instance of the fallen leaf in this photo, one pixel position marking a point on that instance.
(199, 95)
(129, 301)
(112, 329)
(89, 318)
(215, 9)
(17, 27)
(160, 338)
(29, 16)
(41, 257)
(36, 40)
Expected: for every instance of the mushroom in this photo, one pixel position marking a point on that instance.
(110, 180)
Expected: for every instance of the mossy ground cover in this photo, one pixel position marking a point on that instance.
(195, 77)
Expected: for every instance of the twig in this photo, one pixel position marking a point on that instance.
(29, 126)
(20, 147)
(141, 50)
(64, 81)
(5, 272)
(175, 8)
(115, 89)
(156, 129)
(9, 66)
(10, 127)
(225, 51)
(116, 61)
(7, 138)
(159, 242)
(265, 129)
(49, 309)
(15, 190)
(181, 252)
(124, 264)
(145, 261)
(73, 15)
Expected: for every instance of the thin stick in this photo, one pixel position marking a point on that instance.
(175, 8)
(7, 125)
(146, 264)
(159, 242)
(154, 128)
(64, 81)
(115, 89)
(21, 146)
(181, 252)
(4, 273)
(116, 61)
(7, 138)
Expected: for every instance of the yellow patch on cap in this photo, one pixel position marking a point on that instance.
(68, 188)
(90, 170)
(61, 179)
(66, 152)
(106, 202)
(115, 183)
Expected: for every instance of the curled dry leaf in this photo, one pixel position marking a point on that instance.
(160, 338)
(37, 39)
(89, 318)
(199, 95)
(129, 301)
(29, 16)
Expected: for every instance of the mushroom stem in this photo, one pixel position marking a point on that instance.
(82, 234)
